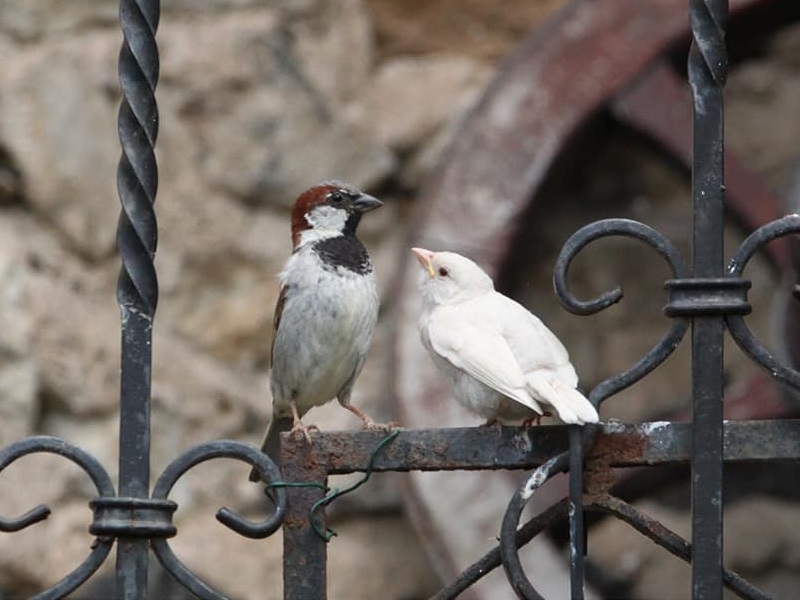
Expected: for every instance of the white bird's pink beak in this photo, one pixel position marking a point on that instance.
(425, 258)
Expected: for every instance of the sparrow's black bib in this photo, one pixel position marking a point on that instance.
(344, 251)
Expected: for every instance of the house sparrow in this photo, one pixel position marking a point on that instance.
(326, 311)
(502, 361)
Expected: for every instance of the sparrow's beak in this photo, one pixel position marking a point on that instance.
(425, 258)
(365, 203)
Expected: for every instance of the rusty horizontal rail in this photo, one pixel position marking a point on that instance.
(476, 448)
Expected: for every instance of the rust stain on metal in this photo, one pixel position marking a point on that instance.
(610, 449)
(295, 523)
(598, 477)
(624, 447)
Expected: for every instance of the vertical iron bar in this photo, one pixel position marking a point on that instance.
(577, 540)
(137, 287)
(707, 73)
(305, 553)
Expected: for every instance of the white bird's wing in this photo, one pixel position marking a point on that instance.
(478, 349)
(530, 340)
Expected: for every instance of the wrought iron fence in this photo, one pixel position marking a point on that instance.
(708, 297)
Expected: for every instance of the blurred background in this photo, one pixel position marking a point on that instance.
(258, 100)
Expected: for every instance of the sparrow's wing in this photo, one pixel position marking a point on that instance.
(479, 351)
(276, 319)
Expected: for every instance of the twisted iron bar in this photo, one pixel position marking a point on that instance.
(100, 479)
(653, 238)
(137, 172)
(708, 59)
(137, 286)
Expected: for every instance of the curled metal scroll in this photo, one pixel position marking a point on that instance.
(739, 331)
(199, 454)
(509, 539)
(653, 238)
(102, 482)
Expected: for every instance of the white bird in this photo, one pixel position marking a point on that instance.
(503, 363)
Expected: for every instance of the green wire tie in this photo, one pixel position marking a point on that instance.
(327, 534)
(333, 493)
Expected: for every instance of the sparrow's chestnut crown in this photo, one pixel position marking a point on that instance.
(336, 195)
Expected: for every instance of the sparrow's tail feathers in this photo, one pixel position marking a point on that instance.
(572, 406)
(272, 441)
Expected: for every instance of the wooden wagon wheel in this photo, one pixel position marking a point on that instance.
(614, 57)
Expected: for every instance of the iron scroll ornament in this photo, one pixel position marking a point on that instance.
(102, 482)
(511, 538)
(632, 229)
(787, 225)
(199, 454)
(147, 517)
(687, 297)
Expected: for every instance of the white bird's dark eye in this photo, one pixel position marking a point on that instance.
(443, 272)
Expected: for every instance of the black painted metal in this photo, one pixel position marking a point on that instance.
(508, 530)
(644, 233)
(708, 63)
(708, 298)
(191, 458)
(137, 288)
(577, 528)
(101, 481)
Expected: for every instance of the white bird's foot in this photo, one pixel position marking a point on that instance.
(537, 420)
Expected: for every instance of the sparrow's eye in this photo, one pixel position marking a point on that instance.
(443, 272)
(336, 197)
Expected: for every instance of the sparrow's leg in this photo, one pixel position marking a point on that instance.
(298, 424)
(491, 422)
(365, 418)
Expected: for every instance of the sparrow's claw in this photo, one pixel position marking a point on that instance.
(491, 422)
(387, 427)
(305, 430)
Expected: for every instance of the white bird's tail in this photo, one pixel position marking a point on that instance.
(572, 406)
